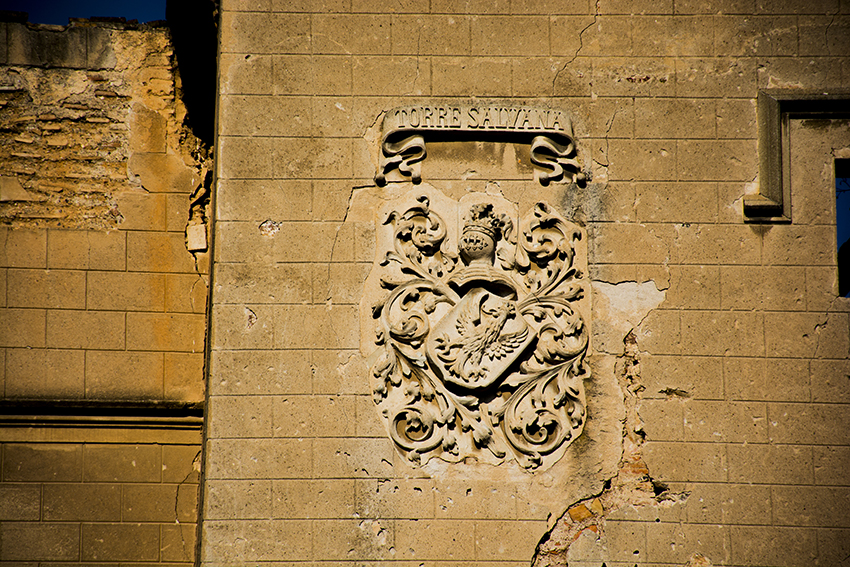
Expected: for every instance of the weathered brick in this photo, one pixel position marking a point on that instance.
(23, 248)
(20, 502)
(768, 545)
(115, 375)
(158, 252)
(313, 416)
(349, 34)
(488, 33)
(687, 462)
(429, 35)
(313, 499)
(259, 458)
(720, 77)
(453, 76)
(278, 283)
(745, 36)
(249, 33)
(757, 464)
(165, 332)
(177, 543)
(259, 200)
(353, 458)
(241, 416)
(728, 504)
(244, 499)
(184, 376)
(263, 372)
(61, 289)
(767, 379)
(125, 291)
(142, 210)
(86, 250)
(298, 326)
(32, 541)
(85, 329)
(149, 503)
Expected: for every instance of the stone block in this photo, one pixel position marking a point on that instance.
(177, 543)
(258, 200)
(728, 504)
(265, 116)
(736, 118)
(22, 328)
(260, 458)
(20, 502)
(339, 371)
(390, 6)
(715, 6)
(674, 118)
(99, 51)
(179, 332)
(531, 76)
(798, 72)
(717, 244)
(122, 463)
(477, 6)
(716, 77)
(767, 379)
(833, 545)
(44, 374)
(819, 420)
(149, 503)
(810, 506)
(769, 545)
(831, 465)
(770, 288)
(46, 48)
(395, 498)
(317, 75)
(728, 422)
(686, 462)
(694, 287)
(700, 378)
(82, 502)
(162, 173)
(86, 250)
(430, 35)
(262, 372)
(632, 243)
(353, 34)
(626, 541)
(147, 130)
(257, 540)
(340, 283)
(823, 35)
(747, 36)
(717, 160)
(452, 540)
(675, 543)
(120, 542)
(250, 32)
(181, 463)
(660, 332)
(488, 33)
(58, 289)
(3, 44)
(500, 541)
(85, 329)
(184, 377)
(452, 76)
(176, 213)
(644, 160)
(244, 499)
(23, 248)
(390, 76)
(799, 245)
(791, 7)
(158, 252)
(142, 210)
(719, 333)
(299, 158)
(368, 423)
(316, 326)
(278, 283)
(591, 36)
(245, 74)
(33, 541)
(242, 327)
(770, 464)
(42, 462)
(673, 36)
(629, 77)
(575, 78)
(313, 416)
(125, 291)
(240, 416)
(185, 293)
(353, 458)
(112, 375)
(662, 419)
(313, 499)
(475, 500)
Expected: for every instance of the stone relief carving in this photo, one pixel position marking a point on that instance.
(479, 327)
(548, 131)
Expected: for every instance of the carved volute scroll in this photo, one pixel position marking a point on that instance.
(548, 132)
(480, 341)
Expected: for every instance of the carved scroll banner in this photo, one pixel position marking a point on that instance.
(548, 131)
(479, 338)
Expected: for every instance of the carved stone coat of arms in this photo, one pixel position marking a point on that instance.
(479, 339)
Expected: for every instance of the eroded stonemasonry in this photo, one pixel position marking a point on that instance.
(103, 287)
(718, 346)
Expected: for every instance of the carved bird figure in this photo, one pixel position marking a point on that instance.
(480, 329)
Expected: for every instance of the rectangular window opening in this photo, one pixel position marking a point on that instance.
(842, 224)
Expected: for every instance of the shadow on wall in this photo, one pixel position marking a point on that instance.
(194, 33)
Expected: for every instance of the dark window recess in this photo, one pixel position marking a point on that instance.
(842, 224)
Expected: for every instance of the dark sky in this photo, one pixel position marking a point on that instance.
(58, 11)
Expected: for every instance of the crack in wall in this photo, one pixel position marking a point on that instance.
(580, 46)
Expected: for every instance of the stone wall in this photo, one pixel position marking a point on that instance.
(719, 348)
(103, 287)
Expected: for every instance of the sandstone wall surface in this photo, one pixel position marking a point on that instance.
(725, 342)
(102, 297)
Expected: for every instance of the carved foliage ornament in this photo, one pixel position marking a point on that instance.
(481, 344)
(548, 131)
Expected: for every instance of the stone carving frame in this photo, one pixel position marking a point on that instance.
(548, 131)
(776, 108)
(479, 320)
